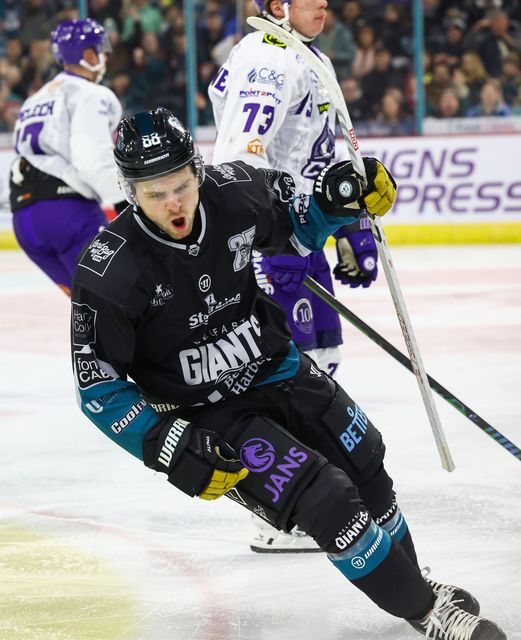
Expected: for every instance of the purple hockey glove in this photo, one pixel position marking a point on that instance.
(287, 272)
(357, 258)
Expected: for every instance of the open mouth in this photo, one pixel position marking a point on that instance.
(179, 223)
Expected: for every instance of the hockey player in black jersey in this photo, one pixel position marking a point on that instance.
(182, 360)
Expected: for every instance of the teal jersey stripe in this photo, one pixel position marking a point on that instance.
(312, 226)
(118, 410)
(287, 369)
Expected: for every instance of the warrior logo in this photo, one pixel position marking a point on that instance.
(257, 455)
(242, 245)
(205, 282)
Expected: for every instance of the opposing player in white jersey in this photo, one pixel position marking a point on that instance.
(64, 170)
(272, 111)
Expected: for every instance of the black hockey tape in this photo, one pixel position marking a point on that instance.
(280, 466)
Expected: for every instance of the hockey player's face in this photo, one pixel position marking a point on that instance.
(170, 201)
(308, 16)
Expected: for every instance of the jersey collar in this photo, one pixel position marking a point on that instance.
(192, 248)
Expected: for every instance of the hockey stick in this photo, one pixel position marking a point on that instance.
(335, 94)
(373, 335)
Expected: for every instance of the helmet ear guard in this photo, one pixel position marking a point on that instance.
(262, 9)
(151, 144)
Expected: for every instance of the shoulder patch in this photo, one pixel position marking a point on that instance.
(83, 325)
(269, 39)
(279, 183)
(223, 174)
(101, 251)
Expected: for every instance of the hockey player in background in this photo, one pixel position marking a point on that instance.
(272, 111)
(64, 170)
(220, 399)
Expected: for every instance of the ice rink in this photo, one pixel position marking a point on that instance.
(94, 545)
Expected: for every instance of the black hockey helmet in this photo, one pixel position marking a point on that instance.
(151, 144)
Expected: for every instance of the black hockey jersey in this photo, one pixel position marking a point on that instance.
(186, 321)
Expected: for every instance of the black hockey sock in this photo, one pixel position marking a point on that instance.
(407, 545)
(397, 586)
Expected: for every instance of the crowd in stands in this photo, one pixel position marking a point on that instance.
(472, 57)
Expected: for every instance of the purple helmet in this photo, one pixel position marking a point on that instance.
(70, 38)
(260, 4)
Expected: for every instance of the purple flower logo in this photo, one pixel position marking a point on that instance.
(257, 455)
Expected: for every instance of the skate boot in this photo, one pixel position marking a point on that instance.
(446, 621)
(267, 539)
(461, 598)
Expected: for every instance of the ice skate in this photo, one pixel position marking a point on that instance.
(461, 598)
(446, 621)
(267, 539)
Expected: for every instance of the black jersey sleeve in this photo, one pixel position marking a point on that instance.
(102, 346)
(286, 222)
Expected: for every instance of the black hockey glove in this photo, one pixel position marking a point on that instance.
(340, 187)
(197, 461)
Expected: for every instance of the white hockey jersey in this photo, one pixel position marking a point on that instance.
(272, 111)
(66, 129)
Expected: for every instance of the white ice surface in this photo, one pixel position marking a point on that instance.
(187, 563)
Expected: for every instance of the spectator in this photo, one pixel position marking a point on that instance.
(451, 48)
(139, 16)
(516, 104)
(355, 101)
(210, 32)
(433, 13)
(34, 17)
(449, 105)
(476, 10)
(441, 80)
(39, 69)
(106, 12)
(391, 119)
(474, 72)
(491, 101)
(11, 17)
(352, 16)
(337, 42)
(494, 38)
(364, 59)
(511, 77)
(395, 33)
(382, 77)
(14, 51)
(462, 90)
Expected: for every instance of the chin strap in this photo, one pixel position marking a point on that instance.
(286, 24)
(99, 68)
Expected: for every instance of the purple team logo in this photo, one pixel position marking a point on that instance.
(257, 455)
(302, 315)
